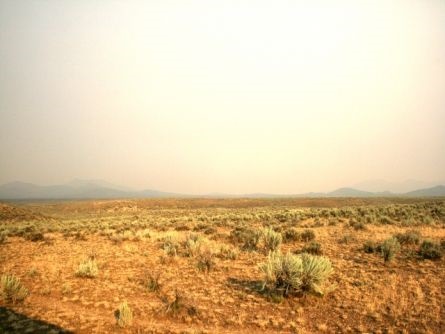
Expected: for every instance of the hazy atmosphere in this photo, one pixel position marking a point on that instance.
(222, 96)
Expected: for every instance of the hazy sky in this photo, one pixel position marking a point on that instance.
(222, 96)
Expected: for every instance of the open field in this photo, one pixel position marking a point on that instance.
(194, 266)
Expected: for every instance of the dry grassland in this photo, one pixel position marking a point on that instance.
(194, 266)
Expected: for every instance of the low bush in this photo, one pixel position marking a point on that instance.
(289, 274)
(307, 235)
(357, 225)
(430, 250)
(312, 248)
(389, 249)
(291, 235)
(249, 238)
(271, 239)
(410, 237)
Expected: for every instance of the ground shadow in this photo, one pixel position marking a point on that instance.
(258, 288)
(13, 322)
(253, 287)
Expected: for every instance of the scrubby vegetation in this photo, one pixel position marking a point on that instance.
(187, 265)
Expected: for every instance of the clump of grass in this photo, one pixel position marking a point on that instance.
(80, 236)
(206, 260)
(123, 315)
(430, 250)
(386, 220)
(34, 236)
(271, 239)
(410, 237)
(116, 238)
(170, 245)
(178, 305)
(3, 237)
(227, 252)
(32, 272)
(66, 288)
(248, 237)
(312, 248)
(307, 235)
(289, 274)
(346, 239)
(11, 289)
(192, 245)
(357, 225)
(151, 282)
(143, 234)
(389, 249)
(87, 268)
(370, 247)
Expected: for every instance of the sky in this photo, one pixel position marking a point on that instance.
(222, 96)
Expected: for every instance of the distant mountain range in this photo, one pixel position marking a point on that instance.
(380, 185)
(77, 189)
(98, 189)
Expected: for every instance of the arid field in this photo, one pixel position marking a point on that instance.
(223, 266)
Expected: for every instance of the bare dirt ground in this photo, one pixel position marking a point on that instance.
(133, 240)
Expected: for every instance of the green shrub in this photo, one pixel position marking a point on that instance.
(123, 315)
(289, 274)
(307, 235)
(271, 239)
(3, 237)
(312, 248)
(11, 289)
(389, 249)
(410, 237)
(430, 250)
(87, 268)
